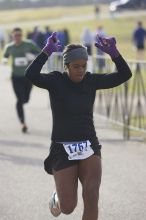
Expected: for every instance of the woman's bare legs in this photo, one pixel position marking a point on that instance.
(90, 177)
(66, 181)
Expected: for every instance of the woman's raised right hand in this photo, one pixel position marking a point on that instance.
(52, 45)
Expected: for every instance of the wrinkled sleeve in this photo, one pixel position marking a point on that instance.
(106, 81)
(33, 73)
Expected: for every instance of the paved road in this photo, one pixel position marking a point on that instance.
(25, 187)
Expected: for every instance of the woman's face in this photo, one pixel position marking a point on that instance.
(76, 70)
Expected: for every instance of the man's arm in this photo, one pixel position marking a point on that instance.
(6, 54)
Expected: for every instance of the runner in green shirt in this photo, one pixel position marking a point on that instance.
(21, 52)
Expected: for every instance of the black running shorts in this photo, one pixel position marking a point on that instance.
(58, 158)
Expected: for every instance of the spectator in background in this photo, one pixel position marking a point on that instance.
(2, 38)
(87, 40)
(38, 37)
(61, 38)
(47, 33)
(29, 35)
(22, 52)
(100, 61)
(97, 11)
(66, 37)
(139, 36)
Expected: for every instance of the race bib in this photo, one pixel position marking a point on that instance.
(21, 61)
(78, 150)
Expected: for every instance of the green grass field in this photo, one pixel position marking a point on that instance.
(121, 28)
(42, 13)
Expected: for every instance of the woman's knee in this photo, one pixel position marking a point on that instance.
(91, 193)
(67, 207)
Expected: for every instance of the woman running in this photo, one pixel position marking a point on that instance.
(75, 149)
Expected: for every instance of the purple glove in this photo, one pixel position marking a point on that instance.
(107, 45)
(52, 45)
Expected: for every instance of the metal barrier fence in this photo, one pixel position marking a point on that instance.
(125, 105)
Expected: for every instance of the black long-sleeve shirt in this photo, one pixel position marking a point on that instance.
(72, 103)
